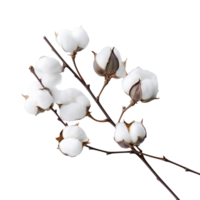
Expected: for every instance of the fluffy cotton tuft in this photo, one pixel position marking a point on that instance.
(48, 65)
(33, 88)
(72, 112)
(43, 99)
(51, 80)
(137, 130)
(81, 37)
(75, 132)
(121, 133)
(71, 147)
(30, 106)
(65, 41)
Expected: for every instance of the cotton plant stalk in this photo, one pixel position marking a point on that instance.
(136, 95)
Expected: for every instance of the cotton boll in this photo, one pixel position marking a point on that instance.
(43, 99)
(30, 106)
(148, 75)
(147, 89)
(121, 133)
(137, 130)
(83, 100)
(48, 65)
(52, 80)
(103, 56)
(33, 88)
(73, 111)
(71, 147)
(81, 37)
(67, 41)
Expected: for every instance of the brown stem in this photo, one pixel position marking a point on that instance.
(104, 112)
(105, 83)
(76, 67)
(59, 119)
(125, 109)
(89, 115)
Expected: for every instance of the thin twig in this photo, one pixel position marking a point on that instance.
(59, 119)
(107, 80)
(89, 115)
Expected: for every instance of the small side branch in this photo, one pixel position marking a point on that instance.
(59, 119)
(89, 115)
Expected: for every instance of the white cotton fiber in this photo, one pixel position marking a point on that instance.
(74, 132)
(52, 80)
(121, 133)
(30, 106)
(103, 56)
(48, 65)
(43, 99)
(82, 100)
(81, 37)
(67, 41)
(33, 88)
(72, 112)
(147, 88)
(137, 130)
(71, 147)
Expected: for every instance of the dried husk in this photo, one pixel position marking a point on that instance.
(136, 92)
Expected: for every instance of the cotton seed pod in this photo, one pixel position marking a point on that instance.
(105, 61)
(129, 135)
(51, 80)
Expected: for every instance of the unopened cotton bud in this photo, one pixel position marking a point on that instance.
(105, 61)
(71, 147)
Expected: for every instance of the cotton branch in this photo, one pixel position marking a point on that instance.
(104, 112)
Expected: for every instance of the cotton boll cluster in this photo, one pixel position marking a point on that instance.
(74, 104)
(73, 41)
(121, 132)
(49, 69)
(38, 99)
(72, 140)
(150, 82)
